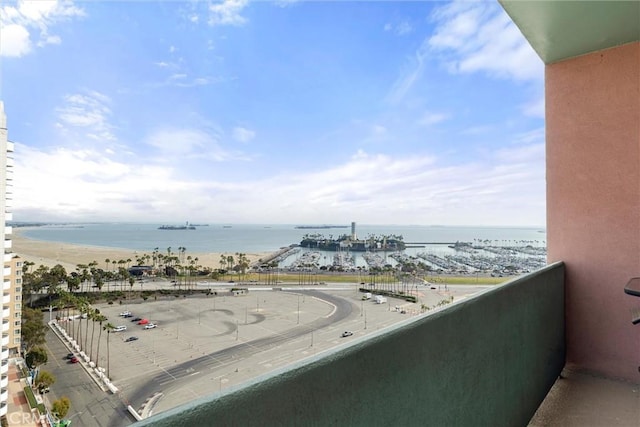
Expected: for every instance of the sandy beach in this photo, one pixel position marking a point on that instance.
(69, 256)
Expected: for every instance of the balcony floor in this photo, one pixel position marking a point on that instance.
(581, 399)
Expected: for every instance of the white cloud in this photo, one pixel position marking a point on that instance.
(33, 18)
(179, 142)
(400, 29)
(243, 135)
(504, 188)
(87, 113)
(49, 40)
(412, 72)
(535, 108)
(430, 118)
(190, 143)
(480, 37)
(472, 37)
(227, 12)
(378, 130)
(14, 40)
(163, 64)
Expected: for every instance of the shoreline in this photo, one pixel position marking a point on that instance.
(69, 255)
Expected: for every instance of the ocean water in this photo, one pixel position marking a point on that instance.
(264, 237)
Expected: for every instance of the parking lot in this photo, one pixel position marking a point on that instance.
(205, 344)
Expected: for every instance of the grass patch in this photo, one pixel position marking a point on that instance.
(293, 278)
(33, 403)
(468, 280)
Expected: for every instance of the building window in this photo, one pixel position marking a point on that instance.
(16, 340)
(18, 264)
(18, 273)
(18, 297)
(17, 323)
(18, 281)
(17, 315)
(18, 289)
(17, 306)
(16, 332)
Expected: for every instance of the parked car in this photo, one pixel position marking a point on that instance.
(131, 339)
(128, 315)
(120, 328)
(346, 334)
(74, 360)
(69, 356)
(136, 319)
(143, 322)
(125, 313)
(150, 326)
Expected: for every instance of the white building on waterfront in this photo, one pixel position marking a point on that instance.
(6, 179)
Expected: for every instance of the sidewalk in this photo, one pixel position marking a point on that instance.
(18, 412)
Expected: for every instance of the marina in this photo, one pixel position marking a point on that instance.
(432, 250)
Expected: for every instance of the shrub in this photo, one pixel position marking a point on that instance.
(61, 407)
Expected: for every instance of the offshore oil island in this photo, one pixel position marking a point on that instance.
(319, 227)
(351, 242)
(177, 227)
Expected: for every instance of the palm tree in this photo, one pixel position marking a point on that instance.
(89, 313)
(230, 262)
(99, 318)
(109, 328)
(94, 316)
(81, 306)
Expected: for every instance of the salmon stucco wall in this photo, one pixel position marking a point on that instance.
(593, 203)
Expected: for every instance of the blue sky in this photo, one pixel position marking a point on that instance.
(272, 112)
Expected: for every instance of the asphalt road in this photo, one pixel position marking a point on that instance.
(90, 406)
(179, 375)
(269, 341)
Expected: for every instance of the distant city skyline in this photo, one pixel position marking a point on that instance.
(285, 112)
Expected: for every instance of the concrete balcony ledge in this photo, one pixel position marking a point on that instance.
(580, 399)
(489, 359)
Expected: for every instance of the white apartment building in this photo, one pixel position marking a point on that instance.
(6, 179)
(15, 332)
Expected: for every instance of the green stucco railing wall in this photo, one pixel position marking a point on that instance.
(488, 360)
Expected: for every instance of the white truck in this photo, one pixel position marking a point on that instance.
(379, 299)
(366, 296)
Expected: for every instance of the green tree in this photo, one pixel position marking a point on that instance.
(33, 328)
(61, 407)
(36, 356)
(44, 380)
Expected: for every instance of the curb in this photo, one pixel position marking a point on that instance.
(99, 379)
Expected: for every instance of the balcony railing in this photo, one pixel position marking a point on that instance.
(486, 360)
